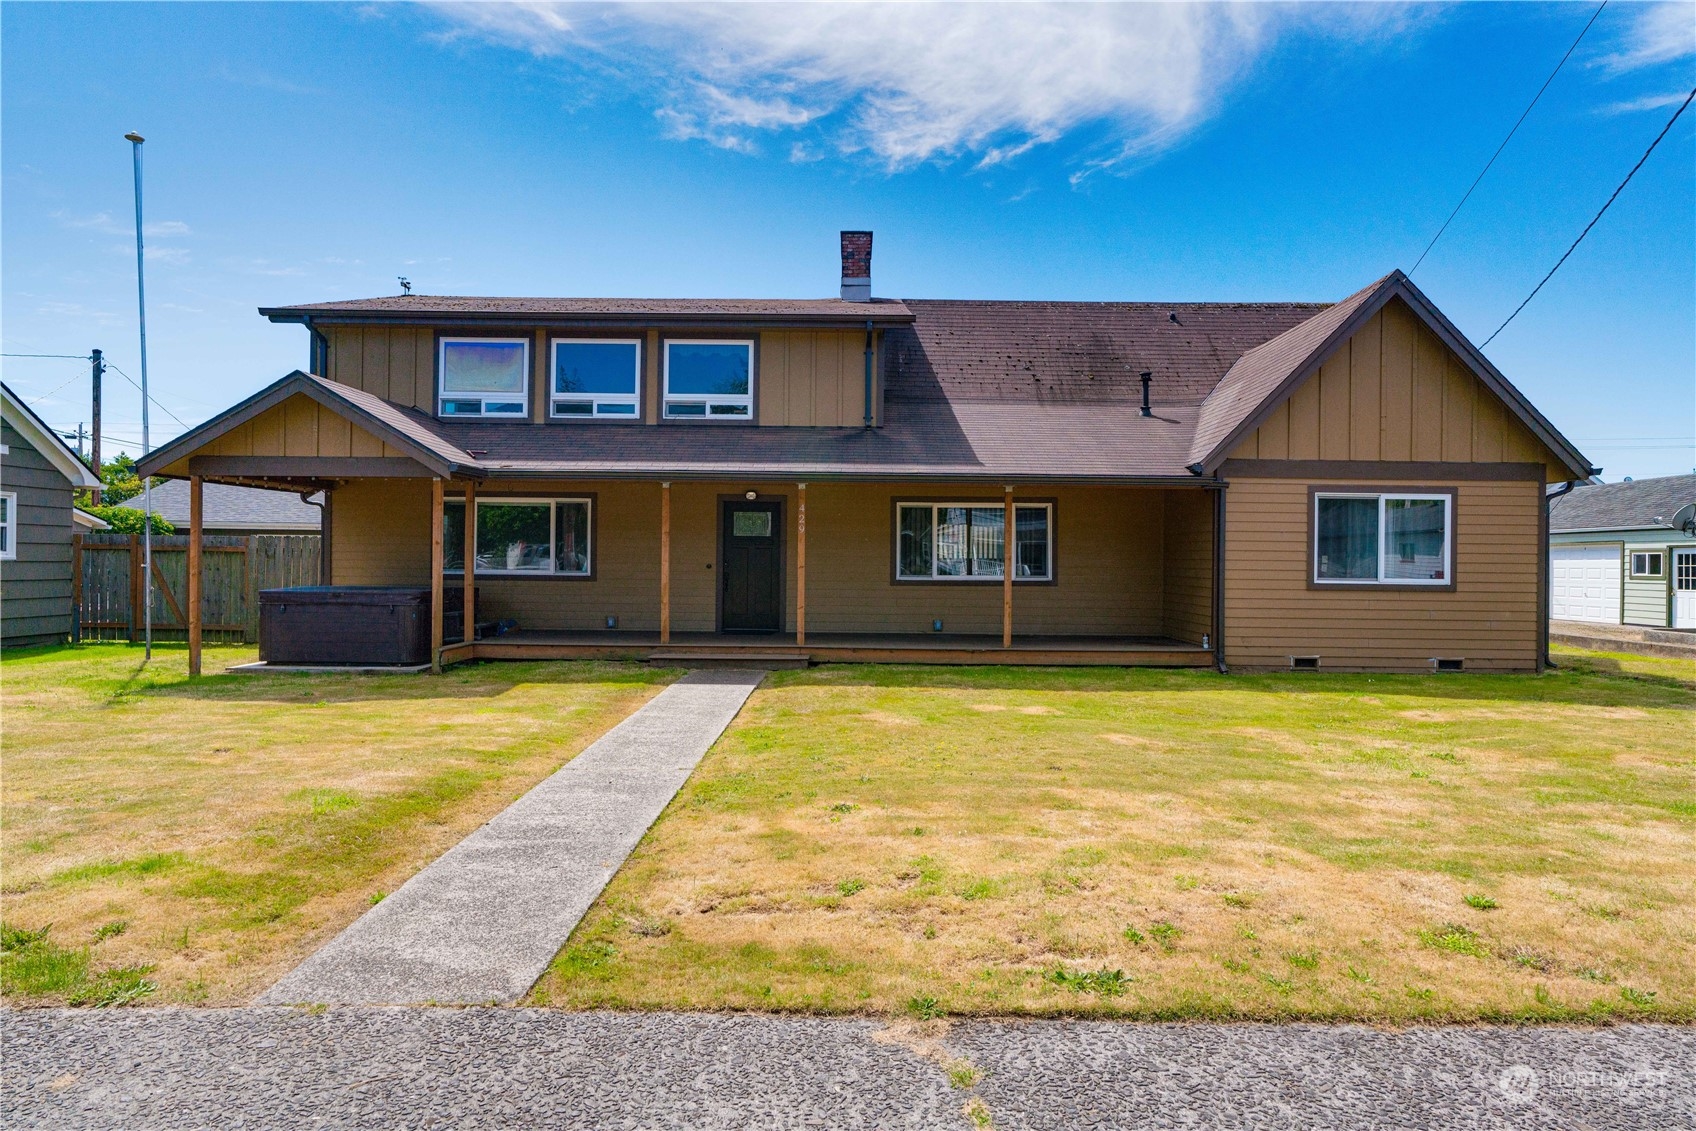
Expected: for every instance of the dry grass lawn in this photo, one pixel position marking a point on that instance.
(201, 837)
(1173, 845)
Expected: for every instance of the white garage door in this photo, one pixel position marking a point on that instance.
(1585, 583)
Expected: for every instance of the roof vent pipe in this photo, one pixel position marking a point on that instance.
(856, 266)
(1146, 378)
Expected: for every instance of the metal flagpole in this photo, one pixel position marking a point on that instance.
(135, 141)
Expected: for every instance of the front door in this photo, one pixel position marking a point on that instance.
(1684, 589)
(751, 584)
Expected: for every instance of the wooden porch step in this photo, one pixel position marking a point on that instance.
(786, 661)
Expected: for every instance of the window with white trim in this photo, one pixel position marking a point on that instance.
(8, 526)
(484, 378)
(1373, 539)
(596, 378)
(521, 537)
(966, 541)
(1648, 563)
(709, 380)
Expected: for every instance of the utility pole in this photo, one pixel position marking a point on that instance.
(99, 362)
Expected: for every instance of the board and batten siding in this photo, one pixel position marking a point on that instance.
(1490, 618)
(1112, 548)
(806, 378)
(300, 426)
(35, 586)
(1395, 392)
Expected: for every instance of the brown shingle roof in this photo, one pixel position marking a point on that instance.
(1076, 352)
(777, 310)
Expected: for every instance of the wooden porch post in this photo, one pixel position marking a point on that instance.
(1007, 573)
(470, 633)
(800, 563)
(194, 519)
(665, 563)
(435, 575)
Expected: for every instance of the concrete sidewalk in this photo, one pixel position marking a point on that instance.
(141, 1069)
(480, 924)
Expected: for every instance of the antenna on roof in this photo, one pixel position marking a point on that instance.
(405, 284)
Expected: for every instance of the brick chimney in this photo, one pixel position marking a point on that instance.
(856, 266)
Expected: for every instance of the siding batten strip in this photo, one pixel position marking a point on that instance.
(436, 566)
(1007, 571)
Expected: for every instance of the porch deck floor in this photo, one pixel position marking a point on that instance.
(929, 647)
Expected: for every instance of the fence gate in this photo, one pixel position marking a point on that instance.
(108, 586)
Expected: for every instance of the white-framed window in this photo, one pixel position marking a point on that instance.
(966, 541)
(709, 379)
(521, 537)
(484, 378)
(1388, 539)
(1648, 563)
(8, 526)
(596, 378)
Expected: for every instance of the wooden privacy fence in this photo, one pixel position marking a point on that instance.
(107, 582)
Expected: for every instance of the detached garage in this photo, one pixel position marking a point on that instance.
(1585, 583)
(1625, 553)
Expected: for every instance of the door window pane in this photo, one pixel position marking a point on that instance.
(1346, 546)
(1415, 537)
(514, 537)
(750, 524)
(571, 525)
(913, 553)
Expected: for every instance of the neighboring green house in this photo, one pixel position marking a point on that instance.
(1625, 553)
(37, 475)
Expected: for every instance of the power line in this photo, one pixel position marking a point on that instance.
(44, 396)
(1664, 131)
(67, 356)
(1507, 139)
(155, 400)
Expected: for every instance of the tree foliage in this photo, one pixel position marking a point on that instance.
(128, 520)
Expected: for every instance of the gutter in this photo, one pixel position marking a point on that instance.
(1544, 660)
(869, 413)
(318, 351)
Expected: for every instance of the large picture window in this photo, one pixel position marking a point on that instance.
(1373, 539)
(709, 380)
(8, 526)
(966, 541)
(484, 377)
(596, 379)
(521, 537)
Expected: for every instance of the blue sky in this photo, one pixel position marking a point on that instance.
(316, 151)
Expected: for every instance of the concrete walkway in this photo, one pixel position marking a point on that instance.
(1672, 643)
(141, 1069)
(480, 924)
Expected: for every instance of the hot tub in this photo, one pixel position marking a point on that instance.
(345, 624)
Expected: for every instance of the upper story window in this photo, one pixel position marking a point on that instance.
(1372, 539)
(962, 541)
(709, 379)
(596, 378)
(484, 377)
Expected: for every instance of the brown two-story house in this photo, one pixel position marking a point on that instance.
(1259, 485)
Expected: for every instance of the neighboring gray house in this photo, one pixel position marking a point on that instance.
(227, 509)
(37, 475)
(1625, 553)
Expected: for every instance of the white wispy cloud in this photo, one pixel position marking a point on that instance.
(1647, 102)
(104, 223)
(1654, 34)
(904, 84)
